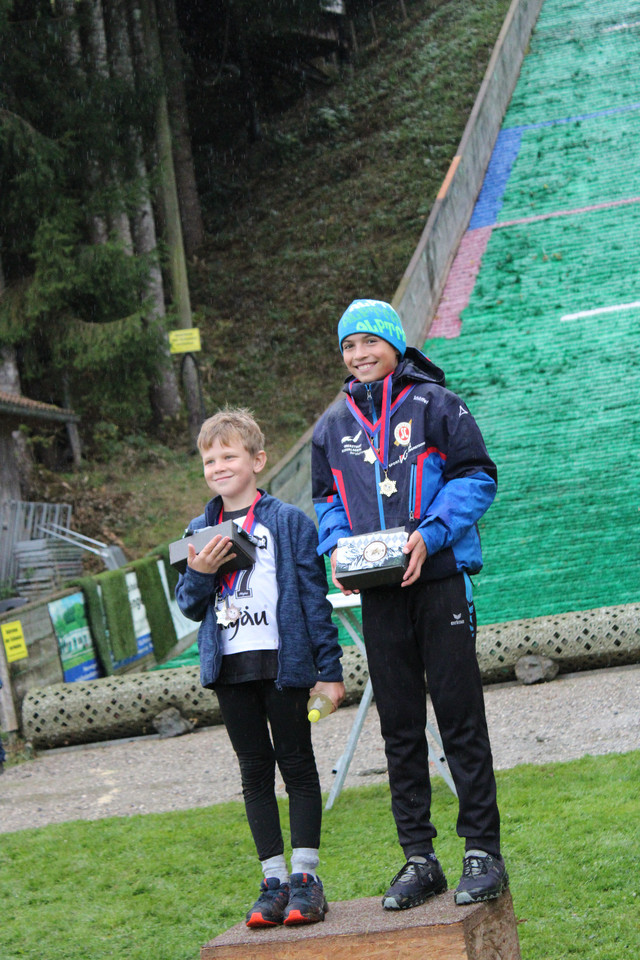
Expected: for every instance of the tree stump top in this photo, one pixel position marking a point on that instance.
(362, 930)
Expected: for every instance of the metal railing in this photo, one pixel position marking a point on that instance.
(21, 520)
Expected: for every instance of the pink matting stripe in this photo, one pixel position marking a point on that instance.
(460, 282)
(567, 213)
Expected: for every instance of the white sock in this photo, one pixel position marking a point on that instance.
(305, 860)
(275, 867)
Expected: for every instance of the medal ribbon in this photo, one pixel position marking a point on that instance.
(228, 580)
(382, 426)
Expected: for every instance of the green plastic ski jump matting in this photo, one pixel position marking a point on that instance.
(538, 327)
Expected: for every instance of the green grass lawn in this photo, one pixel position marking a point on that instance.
(161, 885)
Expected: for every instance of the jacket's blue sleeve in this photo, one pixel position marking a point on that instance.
(470, 482)
(312, 589)
(333, 522)
(194, 592)
(456, 509)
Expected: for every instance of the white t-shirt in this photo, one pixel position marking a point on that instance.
(255, 595)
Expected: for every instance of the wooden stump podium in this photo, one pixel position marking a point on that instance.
(362, 930)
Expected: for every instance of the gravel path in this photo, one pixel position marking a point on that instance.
(594, 712)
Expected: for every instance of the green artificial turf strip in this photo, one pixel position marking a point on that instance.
(117, 609)
(163, 631)
(96, 620)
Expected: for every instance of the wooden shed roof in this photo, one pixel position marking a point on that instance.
(17, 407)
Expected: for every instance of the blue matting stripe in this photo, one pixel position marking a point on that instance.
(489, 202)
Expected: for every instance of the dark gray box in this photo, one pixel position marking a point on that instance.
(243, 547)
(372, 559)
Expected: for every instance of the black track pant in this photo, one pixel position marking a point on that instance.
(431, 627)
(248, 711)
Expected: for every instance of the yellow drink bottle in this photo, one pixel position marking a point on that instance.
(319, 706)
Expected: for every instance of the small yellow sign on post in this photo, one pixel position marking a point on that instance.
(14, 643)
(185, 340)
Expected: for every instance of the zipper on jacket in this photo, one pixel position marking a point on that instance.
(277, 682)
(367, 388)
(376, 486)
(412, 491)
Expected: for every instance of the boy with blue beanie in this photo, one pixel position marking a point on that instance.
(400, 450)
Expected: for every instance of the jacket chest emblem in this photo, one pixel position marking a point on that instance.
(402, 434)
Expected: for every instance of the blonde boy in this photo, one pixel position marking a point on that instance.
(266, 639)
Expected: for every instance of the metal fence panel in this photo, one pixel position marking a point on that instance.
(20, 521)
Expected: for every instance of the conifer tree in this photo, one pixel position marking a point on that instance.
(85, 299)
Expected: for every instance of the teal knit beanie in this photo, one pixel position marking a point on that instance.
(373, 316)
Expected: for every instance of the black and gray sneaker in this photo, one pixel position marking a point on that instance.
(484, 877)
(307, 902)
(268, 910)
(419, 879)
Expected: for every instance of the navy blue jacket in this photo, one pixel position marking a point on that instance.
(309, 650)
(444, 477)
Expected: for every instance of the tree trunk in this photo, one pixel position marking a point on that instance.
(151, 59)
(68, 9)
(15, 457)
(165, 396)
(253, 117)
(190, 210)
(99, 62)
(9, 375)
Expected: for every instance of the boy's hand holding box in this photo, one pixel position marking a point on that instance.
(243, 544)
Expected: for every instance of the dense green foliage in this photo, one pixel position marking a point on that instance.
(75, 309)
(162, 885)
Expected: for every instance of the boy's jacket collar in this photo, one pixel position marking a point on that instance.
(413, 366)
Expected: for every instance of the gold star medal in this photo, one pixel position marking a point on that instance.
(387, 487)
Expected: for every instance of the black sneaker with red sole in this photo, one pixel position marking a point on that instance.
(307, 902)
(268, 910)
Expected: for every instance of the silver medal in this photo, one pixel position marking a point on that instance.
(221, 617)
(227, 613)
(233, 614)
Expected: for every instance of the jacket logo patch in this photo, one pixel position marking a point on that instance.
(402, 434)
(462, 411)
(458, 620)
(348, 439)
(403, 456)
(353, 449)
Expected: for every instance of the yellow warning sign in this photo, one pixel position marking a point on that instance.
(185, 341)
(14, 644)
